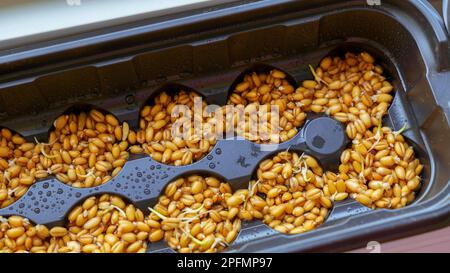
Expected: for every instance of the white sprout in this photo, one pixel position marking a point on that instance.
(188, 210)
(12, 162)
(377, 138)
(11, 191)
(89, 173)
(316, 77)
(119, 209)
(218, 240)
(401, 130)
(158, 214)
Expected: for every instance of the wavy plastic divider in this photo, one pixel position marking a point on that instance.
(118, 72)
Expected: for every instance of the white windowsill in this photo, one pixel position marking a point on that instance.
(28, 21)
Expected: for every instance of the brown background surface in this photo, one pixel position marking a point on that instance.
(430, 242)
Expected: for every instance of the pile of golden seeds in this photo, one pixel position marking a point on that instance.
(288, 194)
(334, 186)
(196, 215)
(18, 235)
(104, 224)
(19, 167)
(380, 170)
(353, 90)
(85, 150)
(156, 124)
(259, 93)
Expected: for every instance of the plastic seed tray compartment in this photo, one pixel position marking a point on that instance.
(210, 61)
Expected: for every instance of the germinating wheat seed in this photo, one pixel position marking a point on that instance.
(155, 133)
(353, 90)
(86, 149)
(105, 224)
(292, 188)
(18, 235)
(19, 167)
(196, 214)
(259, 93)
(380, 170)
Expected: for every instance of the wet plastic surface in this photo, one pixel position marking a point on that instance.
(208, 53)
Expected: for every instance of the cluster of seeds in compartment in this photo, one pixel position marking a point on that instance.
(380, 170)
(194, 215)
(288, 193)
(259, 93)
(104, 224)
(190, 143)
(19, 167)
(85, 149)
(18, 235)
(352, 90)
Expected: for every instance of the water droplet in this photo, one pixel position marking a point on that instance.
(37, 210)
(218, 151)
(59, 191)
(212, 165)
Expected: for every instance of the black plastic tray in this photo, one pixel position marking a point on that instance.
(119, 70)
